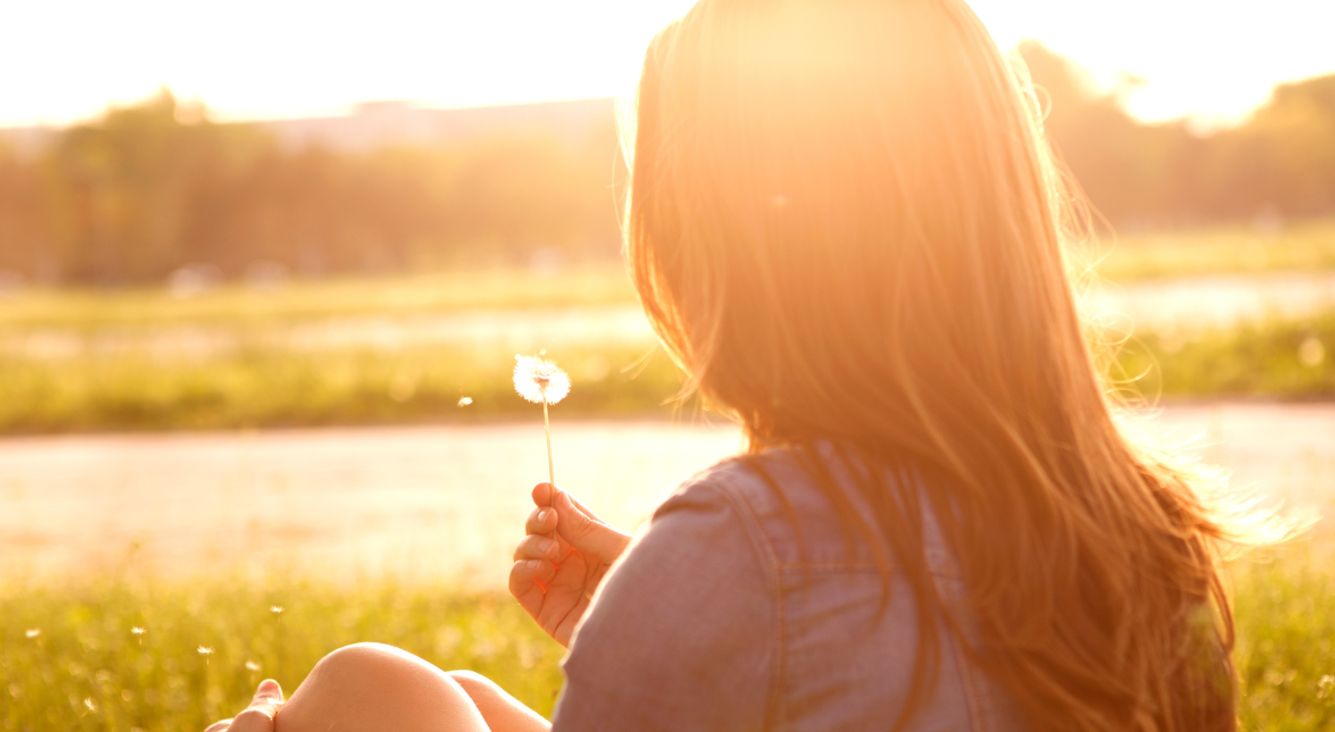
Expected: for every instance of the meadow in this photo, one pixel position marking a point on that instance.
(408, 349)
(1300, 247)
(1219, 249)
(128, 649)
(265, 383)
(120, 653)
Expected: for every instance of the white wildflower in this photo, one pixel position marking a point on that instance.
(540, 381)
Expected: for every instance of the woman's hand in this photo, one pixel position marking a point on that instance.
(560, 562)
(259, 716)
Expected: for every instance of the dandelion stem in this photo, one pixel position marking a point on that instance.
(547, 427)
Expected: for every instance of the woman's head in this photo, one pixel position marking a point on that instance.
(845, 202)
(844, 222)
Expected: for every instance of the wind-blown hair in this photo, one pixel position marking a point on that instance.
(845, 224)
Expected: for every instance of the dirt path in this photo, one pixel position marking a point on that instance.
(447, 502)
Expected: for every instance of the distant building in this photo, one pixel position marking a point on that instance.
(377, 124)
(27, 141)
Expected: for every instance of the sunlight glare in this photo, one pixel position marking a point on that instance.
(253, 60)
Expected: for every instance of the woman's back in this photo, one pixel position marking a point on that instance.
(844, 222)
(775, 620)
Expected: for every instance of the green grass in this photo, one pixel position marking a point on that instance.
(258, 379)
(236, 306)
(1285, 655)
(1299, 247)
(1280, 358)
(86, 654)
(1307, 246)
(277, 387)
(265, 384)
(88, 671)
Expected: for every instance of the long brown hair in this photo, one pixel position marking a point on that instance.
(845, 224)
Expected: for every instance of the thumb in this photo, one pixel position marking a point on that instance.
(268, 692)
(586, 533)
(259, 716)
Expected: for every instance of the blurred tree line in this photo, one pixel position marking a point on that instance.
(147, 190)
(150, 189)
(1279, 163)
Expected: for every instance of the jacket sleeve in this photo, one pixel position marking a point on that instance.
(683, 633)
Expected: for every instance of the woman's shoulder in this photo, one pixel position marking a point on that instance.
(766, 481)
(710, 517)
(680, 634)
(755, 487)
(800, 504)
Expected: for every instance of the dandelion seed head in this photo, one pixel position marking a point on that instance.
(539, 380)
(252, 666)
(276, 609)
(136, 630)
(32, 633)
(204, 651)
(1311, 352)
(465, 401)
(1325, 687)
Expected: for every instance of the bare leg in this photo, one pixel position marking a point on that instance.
(501, 710)
(369, 686)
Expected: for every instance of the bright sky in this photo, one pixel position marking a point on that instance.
(62, 60)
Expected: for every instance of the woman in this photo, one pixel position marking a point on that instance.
(844, 224)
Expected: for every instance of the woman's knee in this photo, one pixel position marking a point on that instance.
(376, 684)
(486, 694)
(369, 663)
(498, 707)
(472, 681)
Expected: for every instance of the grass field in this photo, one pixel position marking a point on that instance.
(69, 654)
(236, 305)
(267, 384)
(1215, 250)
(127, 362)
(73, 661)
(1303, 247)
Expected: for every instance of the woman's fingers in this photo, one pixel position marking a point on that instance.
(536, 546)
(586, 533)
(221, 725)
(527, 571)
(584, 509)
(259, 716)
(529, 579)
(268, 692)
(574, 524)
(541, 521)
(542, 494)
(545, 495)
(254, 719)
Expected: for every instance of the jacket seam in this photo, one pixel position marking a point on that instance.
(746, 512)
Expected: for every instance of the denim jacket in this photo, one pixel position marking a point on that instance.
(720, 617)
